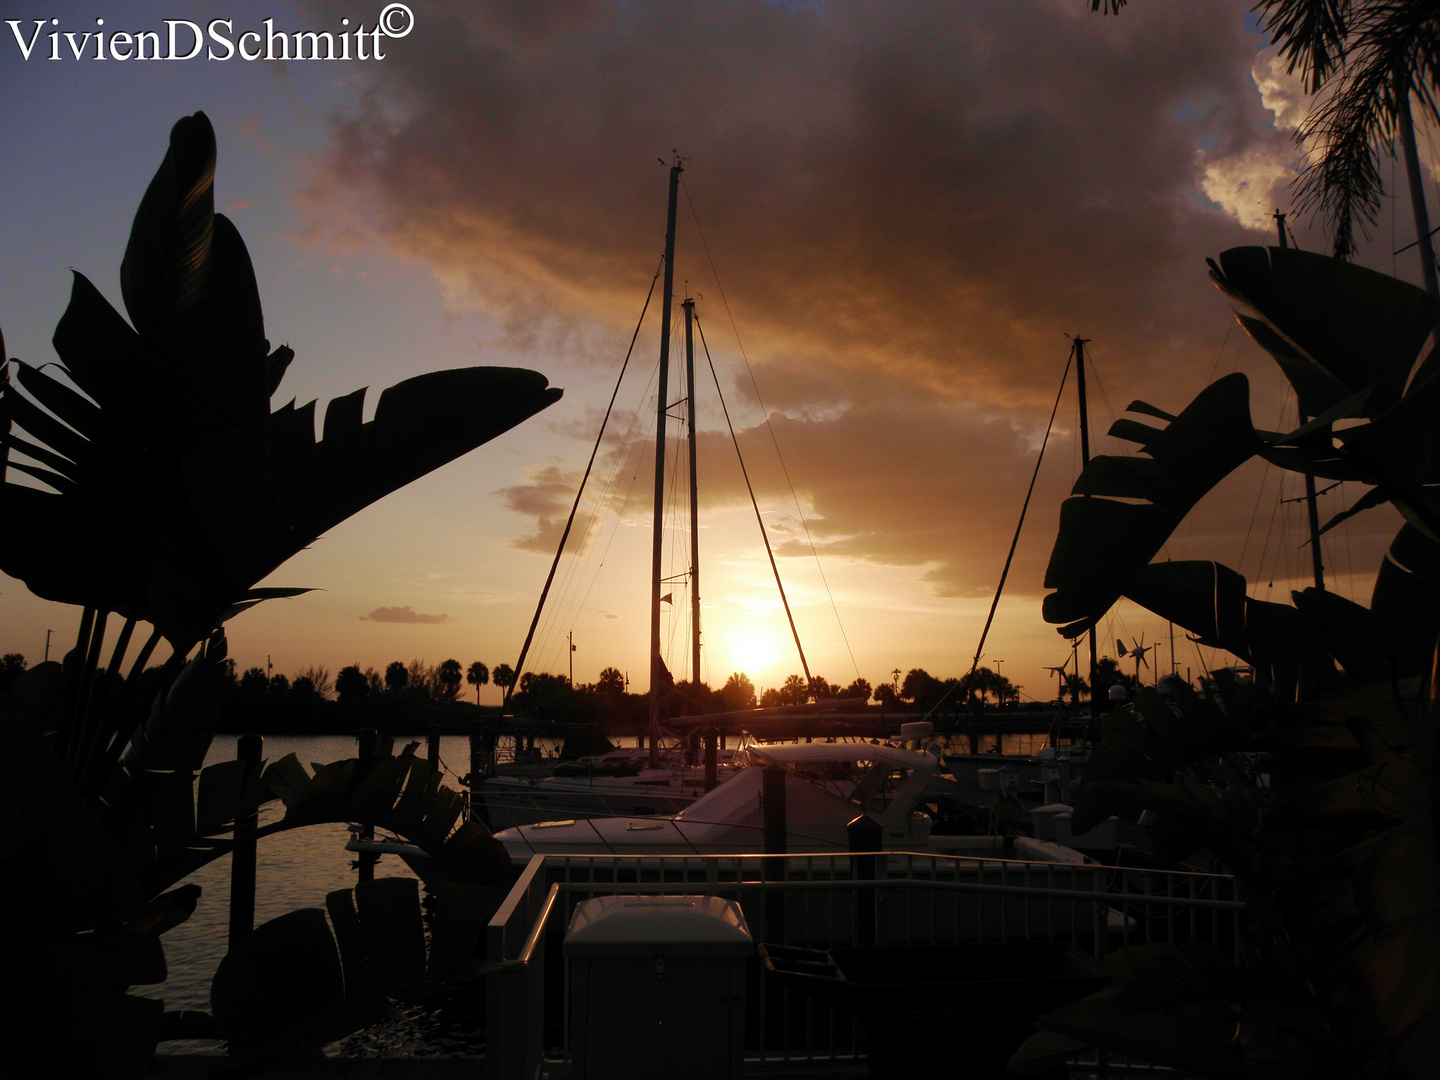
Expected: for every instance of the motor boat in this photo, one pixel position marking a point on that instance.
(826, 787)
(619, 782)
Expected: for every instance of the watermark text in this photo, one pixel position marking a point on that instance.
(219, 39)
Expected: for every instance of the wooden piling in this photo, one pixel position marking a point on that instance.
(367, 750)
(242, 857)
(865, 835)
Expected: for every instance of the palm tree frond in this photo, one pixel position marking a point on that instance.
(1313, 32)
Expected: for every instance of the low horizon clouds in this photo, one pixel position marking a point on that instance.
(404, 614)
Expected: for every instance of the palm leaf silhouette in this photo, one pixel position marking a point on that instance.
(1337, 847)
(169, 485)
(147, 476)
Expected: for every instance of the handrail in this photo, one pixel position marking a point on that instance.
(518, 996)
(1043, 892)
(1014, 863)
(533, 938)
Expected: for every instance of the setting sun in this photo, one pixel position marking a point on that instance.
(754, 654)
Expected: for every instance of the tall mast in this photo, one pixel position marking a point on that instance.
(1084, 461)
(1403, 86)
(662, 407)
(1312, 509)
(689, 306)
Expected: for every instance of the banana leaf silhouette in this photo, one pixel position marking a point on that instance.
(172, 486)
(1348, 340)
(165, 487)
(1336, 846)
(147, 476)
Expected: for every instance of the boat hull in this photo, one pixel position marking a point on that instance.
(511, 802)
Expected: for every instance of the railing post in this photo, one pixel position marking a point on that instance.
(432, 746)
(712, 760)
(367, 750)
(242, 857)
(865, 834)
(772, 799)
(482, 763)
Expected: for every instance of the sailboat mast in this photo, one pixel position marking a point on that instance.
(662, 408)
(1406, 126)
(689, 306)
(1312, 509)
(1084, 461)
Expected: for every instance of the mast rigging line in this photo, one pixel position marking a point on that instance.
(754, 386)
(624, 465)
(594, 451)
(1014, 542)
(765, 536)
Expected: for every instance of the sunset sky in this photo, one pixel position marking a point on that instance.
(894, 217)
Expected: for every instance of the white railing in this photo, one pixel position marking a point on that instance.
(824, 901)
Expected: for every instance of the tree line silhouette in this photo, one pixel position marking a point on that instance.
(408, 697)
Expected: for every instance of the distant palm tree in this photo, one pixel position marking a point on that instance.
(396, 676)
(447, 679)
(351, 684)
(738, 691)
(611, 681)
(794, 691)
(477, 675)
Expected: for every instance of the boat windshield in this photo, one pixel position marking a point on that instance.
(876, 785)
(865, 785)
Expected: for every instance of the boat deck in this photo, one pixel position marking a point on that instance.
(204, 1066)
(436, 1067)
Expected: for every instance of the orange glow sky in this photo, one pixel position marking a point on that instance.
(907, 209)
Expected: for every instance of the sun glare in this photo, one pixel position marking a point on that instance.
(752, 654)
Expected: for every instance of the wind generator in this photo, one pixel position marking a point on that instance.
(1059, 673)
(1138, 652)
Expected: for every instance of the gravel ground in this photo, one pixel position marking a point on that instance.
(454, 1025)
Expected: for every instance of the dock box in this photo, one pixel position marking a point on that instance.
(657, 987)
(1001, 779)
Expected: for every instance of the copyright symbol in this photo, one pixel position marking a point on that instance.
(396, 20)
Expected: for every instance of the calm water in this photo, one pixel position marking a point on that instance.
(295, 869)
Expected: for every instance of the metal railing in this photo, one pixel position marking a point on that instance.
(825, 901)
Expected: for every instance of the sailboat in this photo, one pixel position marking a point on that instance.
(824, 785)
(664, 782)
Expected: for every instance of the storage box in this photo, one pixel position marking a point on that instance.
(657, 987)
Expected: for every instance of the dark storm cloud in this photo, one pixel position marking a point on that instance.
(910, 206)
(920, 192)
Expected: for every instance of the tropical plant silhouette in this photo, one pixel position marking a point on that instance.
(1336, 851)
(148, 480)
